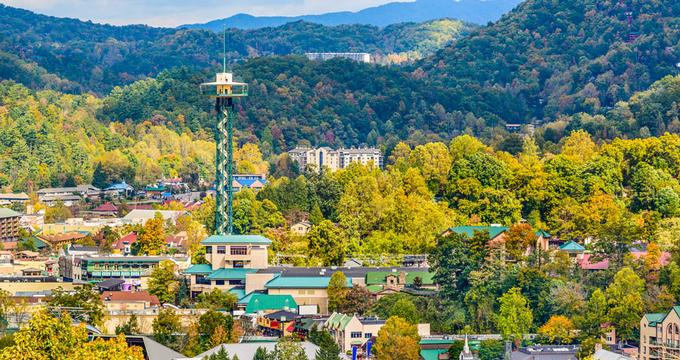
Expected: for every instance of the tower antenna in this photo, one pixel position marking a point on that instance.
(224, 43)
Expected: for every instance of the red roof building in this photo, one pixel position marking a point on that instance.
(130, 299)
(123, 244)
(107, 207)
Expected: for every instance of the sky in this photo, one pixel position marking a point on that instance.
(172, 13)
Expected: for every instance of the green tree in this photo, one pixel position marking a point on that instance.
(625, 301)
(131, 327)
(262, 354)
(166, 326)
(328, 349)
(216, 328)
(163, 282)
(514, 317)
(357, 300)
(405, 309)
(216, 299)
(326, 243)
(491, 350)
(289, 349)
(337, 291)
(86, 304)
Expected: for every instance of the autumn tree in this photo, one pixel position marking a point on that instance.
(514, 317)
(519, 238)
(397, 340)
(152, 236)
(163, 282)
(357, 300)
(559, 329)
(49, 337)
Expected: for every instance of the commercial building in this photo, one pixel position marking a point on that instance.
(9, 225)
(317, 159)
(351, 330)
(232, 258)
(95, 268)
(140, 217)
(358, 57)
(660, 335)
(68, 195)
(6, 199)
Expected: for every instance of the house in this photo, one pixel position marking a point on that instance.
(351, 330)
(231, 258)
(497, 234)
(382, 283)
(305, 290)
(59, 240)
(106, 210)
(124, 244)
(178, 241)
(301, 228)
(129, 300)
(140, 217)
(68, 195)
(120, 189)
(574, 249)
(29, 272)
(278, 323)
(435, 348)
(9, 225)
(9, 198)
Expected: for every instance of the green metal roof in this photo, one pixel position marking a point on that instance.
(7, 213)
(379, 277)
(432, 354)
(300, 283)
(374, 288)
(436, 341)
(236, 239)
(654, 318)
(572, 246)
(200, 269)
(230, 274)
(263, 302)
(469, 231)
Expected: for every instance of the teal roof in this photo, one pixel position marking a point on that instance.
(239, 292)
(543, 233)
(265, 302)
(469, 231)
(200, 269)
(236, 239)
(654, 318)
(230, 274)
(300, 283)
(572, 246)
(432, 354)
(436, 341)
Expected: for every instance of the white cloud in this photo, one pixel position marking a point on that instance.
(177, 12)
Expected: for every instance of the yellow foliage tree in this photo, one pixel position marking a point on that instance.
(397, 340)
(558, 329)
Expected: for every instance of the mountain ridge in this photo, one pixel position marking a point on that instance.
(472, 11)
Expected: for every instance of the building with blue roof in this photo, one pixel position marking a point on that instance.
(119, 189)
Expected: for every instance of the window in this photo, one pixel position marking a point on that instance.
(239, 250)
(219, 282)
(355, 335)
(221, 249)
(368, 335)
(200, 279)
(208, 249)
(238, 264)
(235, 282)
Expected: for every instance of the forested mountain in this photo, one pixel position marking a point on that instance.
(474, 11)
(547, 58)
(75, 56)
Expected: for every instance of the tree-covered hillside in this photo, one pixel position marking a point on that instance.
(75, 56)
(547, 58)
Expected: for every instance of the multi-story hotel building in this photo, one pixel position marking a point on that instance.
(9, 225)
(660, 335)
(325, 157)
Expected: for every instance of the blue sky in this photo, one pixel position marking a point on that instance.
(177, 12)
